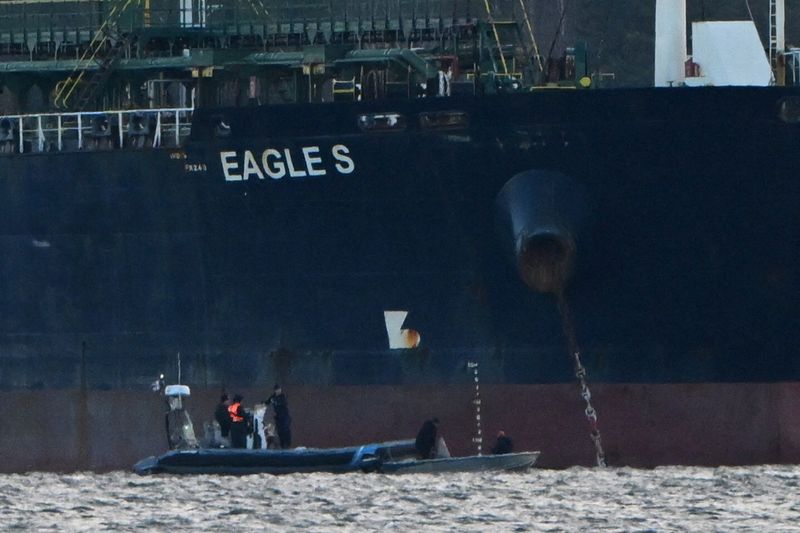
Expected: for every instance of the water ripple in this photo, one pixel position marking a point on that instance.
(578, 499)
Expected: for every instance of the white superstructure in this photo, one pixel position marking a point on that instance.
(670, 42)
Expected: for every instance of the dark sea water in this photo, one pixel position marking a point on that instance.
(762, 498)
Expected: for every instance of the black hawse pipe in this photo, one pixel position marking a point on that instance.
(540, 214)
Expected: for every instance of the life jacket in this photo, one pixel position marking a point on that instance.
(233, 409)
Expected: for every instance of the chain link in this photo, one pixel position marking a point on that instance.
(580, 373)
(591, 414)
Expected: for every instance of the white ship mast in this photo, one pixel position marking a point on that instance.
(670, 42)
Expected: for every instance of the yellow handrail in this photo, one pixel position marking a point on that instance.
(496, 35)
(530, 33)
(259, 5)
(98, 40)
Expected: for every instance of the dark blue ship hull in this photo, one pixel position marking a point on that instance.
(678, 210)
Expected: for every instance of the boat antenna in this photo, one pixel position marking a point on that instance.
(179, 368)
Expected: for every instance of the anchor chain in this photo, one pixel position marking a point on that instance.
(580, 373)
(591, 414)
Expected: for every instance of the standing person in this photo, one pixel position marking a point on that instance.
(283, 421)
(503, 444)
(238, 423)
(426, 439)
(222, 417)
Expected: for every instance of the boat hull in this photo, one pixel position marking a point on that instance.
(511, 462)
(365, 458)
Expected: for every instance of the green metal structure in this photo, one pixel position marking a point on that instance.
(82, 55)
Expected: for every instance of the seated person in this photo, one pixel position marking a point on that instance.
(503, 444)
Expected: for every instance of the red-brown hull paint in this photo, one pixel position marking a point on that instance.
(643, 425)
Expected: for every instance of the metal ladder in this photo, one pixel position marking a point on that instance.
(490, 19)
(531, 36)
(104, 51)
(99, 77)
(773, 34)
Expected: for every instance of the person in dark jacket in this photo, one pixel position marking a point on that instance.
(503, 444)
(426, 439)
(222, 417)
(283, 421)
(238, 419)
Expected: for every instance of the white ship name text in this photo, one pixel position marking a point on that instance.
(277, 163)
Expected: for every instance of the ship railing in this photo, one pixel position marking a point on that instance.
(95, 130)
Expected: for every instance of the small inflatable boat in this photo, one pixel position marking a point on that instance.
(364, 458)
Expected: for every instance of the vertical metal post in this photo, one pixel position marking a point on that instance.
(40, 133)
(119, 129)
(157, 135)
(80, 132)
(478, 439)
(20, 135)
(60, 144)
(177, 128)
